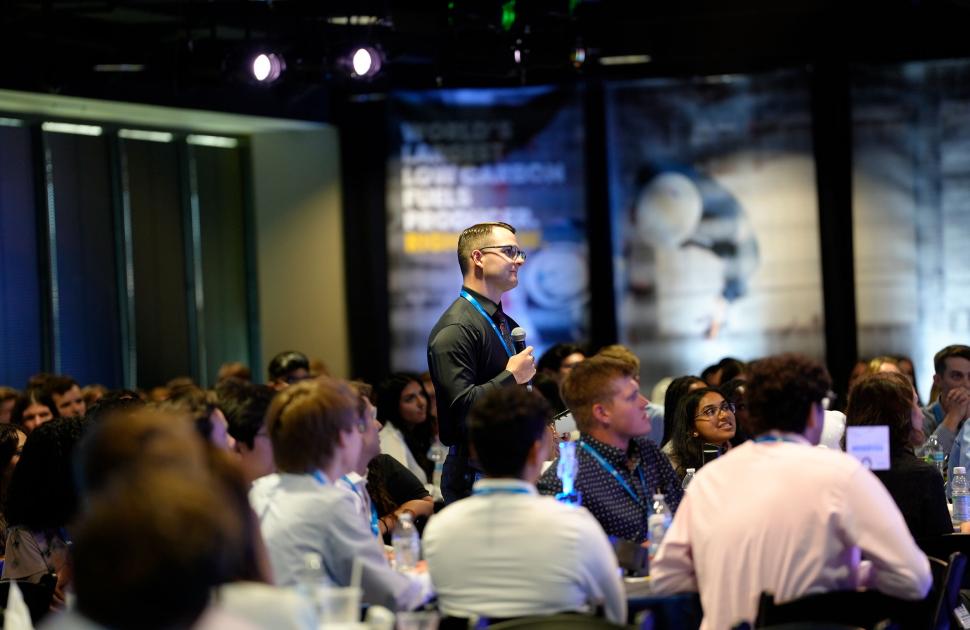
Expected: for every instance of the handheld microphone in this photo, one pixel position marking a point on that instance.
(518, 341)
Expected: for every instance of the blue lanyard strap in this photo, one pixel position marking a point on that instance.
(608, 467)
(773, 438)
(319, 477)
(478, 307)
(487, 491)
(374, 527)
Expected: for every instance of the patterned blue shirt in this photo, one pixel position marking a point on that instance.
(618, 513)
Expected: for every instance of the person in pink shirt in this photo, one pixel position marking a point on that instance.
(778, 515)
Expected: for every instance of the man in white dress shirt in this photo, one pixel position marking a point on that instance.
(316, 428)
(506, 551)
(778, 515)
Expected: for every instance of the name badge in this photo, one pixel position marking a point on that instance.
(870, 445)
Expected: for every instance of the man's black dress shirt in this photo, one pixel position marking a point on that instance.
(466, 360)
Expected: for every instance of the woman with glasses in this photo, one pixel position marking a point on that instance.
(703, 427)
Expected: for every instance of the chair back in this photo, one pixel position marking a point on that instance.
(859, 609)
(946, 589)
(943, 546)
(562, 621)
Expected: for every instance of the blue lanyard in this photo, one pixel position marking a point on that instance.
(773, 438)
(374, 527)
(478, 307)
(608, 467)
(319, 477)
(488, 491)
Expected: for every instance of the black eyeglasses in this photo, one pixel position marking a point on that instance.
(710, 412)
(512, 252)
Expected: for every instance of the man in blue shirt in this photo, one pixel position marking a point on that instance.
(620, 468)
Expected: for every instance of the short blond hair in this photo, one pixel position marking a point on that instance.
(591, 382)
(305, 420)
(474, 237)
(621, 353)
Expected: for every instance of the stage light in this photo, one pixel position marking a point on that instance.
(267, 67)
(578, 57)
(624, 60)
(365, 62)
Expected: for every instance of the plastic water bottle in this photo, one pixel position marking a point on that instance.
(309, 579)
(961, 496)
(689, 477)
(933, 454)
(657, 523)
(437, 453)
(406, 543)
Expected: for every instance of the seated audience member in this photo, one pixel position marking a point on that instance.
(654, 412)
(703, 419)
(385, 488)
(115, 401)
(202, 408)
(905, 365)
(801, 521)
(234, 369)
(287, 368)
(315, 428)
(507, 552)
(31, 410)
(132, 574)
(619, 468)
(245, 406)
(8, 398)
(41, 501)
(407, 434)
(733, 392)
(92, 394)
(126, 445)
(553, 367)
(888, 399)
(12, 440)
(429, 391)
(64, 397)
(945, 416)
(677, 389)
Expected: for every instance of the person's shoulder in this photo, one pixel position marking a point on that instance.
(648, 448)
(451, 518)
(264, 486)
(829, 462)
(456, 312)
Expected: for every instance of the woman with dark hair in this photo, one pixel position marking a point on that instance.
(12, 440)
(888, 399)
(675, 391)
(402, 407)
(703, 418)
(31, 410)
(41, 501)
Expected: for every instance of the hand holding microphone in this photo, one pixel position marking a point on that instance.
(522, 365)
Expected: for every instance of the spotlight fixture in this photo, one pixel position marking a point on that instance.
(365, 62)
(578, 57)
(266, 68)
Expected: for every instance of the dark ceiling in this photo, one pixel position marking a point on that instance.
(190, 51)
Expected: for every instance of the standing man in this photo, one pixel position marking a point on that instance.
(470, 350)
